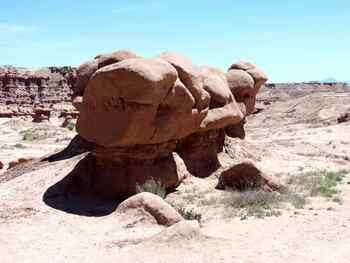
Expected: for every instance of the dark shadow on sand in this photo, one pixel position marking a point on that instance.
(57, 197)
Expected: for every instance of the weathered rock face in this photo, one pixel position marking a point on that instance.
(22, 89)
(161, 118)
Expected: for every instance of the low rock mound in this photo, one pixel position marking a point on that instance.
(182, 242)
(147, 207)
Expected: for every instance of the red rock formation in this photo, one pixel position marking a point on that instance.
(138, 112)
(21, 89)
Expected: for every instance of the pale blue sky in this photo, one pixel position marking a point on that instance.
(290, 40)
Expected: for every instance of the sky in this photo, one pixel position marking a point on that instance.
(290, 40)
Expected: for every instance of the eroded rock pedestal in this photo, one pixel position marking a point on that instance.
(161, 118)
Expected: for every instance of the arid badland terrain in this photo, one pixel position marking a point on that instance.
(228, 182)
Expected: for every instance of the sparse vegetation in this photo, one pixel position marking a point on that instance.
(152, 186)
(260, 204)
(233, 203)
(320, 183)
(35, 134)
(71, 126)
(41, 133)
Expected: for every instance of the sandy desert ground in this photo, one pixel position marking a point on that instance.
(290, 138)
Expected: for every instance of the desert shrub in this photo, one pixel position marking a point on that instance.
(320, 183)
(260, 204)
(152, 186)
(71, 126)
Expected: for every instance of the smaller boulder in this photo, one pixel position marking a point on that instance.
(245, 176)
(151, 208)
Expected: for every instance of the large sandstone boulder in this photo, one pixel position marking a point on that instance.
(115, 111)
(137, 101)
(148, 207)
(160, 118)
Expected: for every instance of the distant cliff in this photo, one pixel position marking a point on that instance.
(27, 87)
(21, 89)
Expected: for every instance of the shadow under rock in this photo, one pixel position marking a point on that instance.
(59, 196)
(199, 152)
(76, 146)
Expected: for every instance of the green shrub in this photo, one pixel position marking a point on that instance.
(71, 126)
(321, 183)
(152, 186)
